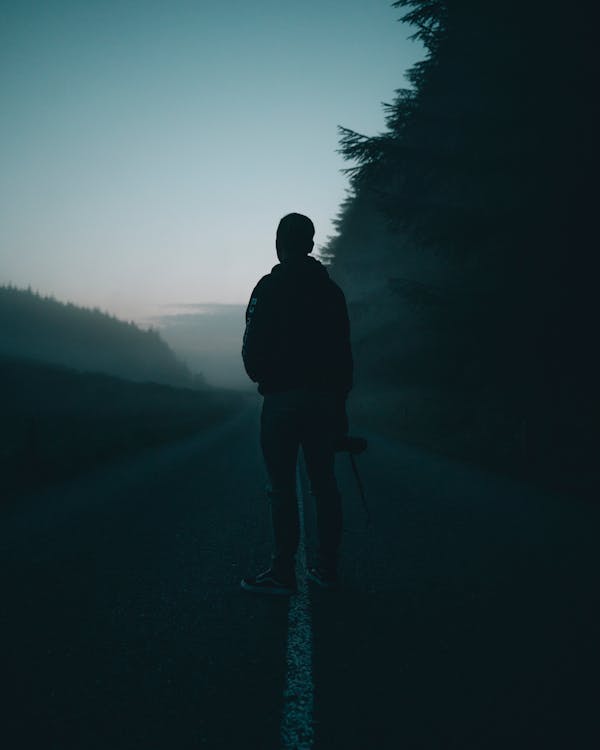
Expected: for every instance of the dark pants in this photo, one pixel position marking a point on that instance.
(309, 419)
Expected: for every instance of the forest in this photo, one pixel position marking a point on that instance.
(466, 246)
(43, 329)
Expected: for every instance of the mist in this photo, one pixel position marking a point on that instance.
(208, 338)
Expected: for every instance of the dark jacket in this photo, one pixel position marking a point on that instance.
(297, 331)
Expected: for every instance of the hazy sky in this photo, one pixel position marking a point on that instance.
(149, 149)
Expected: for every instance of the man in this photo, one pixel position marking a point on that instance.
(297, 348)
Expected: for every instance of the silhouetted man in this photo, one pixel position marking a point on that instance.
(297, 348)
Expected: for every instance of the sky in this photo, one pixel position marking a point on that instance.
(148, 149)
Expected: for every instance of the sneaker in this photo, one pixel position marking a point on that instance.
(268, 583)
(325, 579)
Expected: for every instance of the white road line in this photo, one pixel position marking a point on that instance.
(297, 731)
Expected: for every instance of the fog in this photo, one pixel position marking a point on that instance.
(208, 338)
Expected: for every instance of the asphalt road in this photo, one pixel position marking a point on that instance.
(467, 616)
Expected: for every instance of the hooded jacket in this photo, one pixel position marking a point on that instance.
(297, 331)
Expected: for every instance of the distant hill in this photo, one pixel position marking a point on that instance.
(208, 337)
(44, 329)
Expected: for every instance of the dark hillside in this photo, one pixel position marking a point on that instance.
(57, 422)
(44, 329)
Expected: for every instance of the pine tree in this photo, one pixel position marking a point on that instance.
(478, 196)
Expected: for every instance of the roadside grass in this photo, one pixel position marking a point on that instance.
(555, 449)
(57, 423)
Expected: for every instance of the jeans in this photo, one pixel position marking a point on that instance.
(309, 419)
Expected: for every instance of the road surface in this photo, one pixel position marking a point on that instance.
(467, 616)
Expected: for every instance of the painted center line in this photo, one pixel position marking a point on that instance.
(297, 731)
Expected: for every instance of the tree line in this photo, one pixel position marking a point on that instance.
(41, 328)
(466, 240)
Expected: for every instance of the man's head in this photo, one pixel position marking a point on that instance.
(294, 237)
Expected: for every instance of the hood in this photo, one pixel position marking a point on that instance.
(306, 266)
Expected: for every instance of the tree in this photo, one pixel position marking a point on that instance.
(481, 184)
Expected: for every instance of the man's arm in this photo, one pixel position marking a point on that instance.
(257, 345)
(345, 351)
(345, 363)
